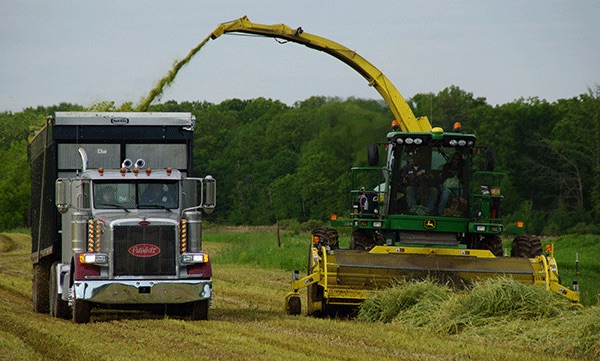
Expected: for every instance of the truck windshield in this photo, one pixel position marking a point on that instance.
(110, 195)
(158, 195)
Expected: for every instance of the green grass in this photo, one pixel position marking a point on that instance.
(259, 247)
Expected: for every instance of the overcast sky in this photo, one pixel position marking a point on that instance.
(85, 52)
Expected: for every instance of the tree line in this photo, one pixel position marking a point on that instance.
(276, 162)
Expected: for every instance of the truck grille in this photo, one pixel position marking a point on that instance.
(141, 251)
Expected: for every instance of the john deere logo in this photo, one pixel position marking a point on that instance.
(429, 223)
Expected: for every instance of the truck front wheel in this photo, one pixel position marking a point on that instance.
(81, 311)
(199, 311)
(58, 307)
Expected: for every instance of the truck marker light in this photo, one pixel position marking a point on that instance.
(135, 170)
(148, 171)
(169, 170)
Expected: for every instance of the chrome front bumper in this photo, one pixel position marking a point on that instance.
(143, 292)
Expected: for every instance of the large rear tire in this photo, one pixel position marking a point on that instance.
(40, 287)
(526, 246)
(327, 237)
(492, 243)
(58, 307)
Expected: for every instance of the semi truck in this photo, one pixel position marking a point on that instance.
(116, 215)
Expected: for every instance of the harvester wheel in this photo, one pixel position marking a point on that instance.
(327, 237)
(314, 292)
(361, 240)
(492, 243)
(294, 305)
(526, 246)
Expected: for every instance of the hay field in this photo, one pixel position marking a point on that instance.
(247, 322)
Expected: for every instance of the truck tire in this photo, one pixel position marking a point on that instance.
(40, 287)
(199, 311)
(58, 307)
(492, 243)
(81, 311)
(526, 246)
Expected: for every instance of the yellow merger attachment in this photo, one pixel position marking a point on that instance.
(344, 277)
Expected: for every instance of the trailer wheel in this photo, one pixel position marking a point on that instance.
(199, 311)
(81, 311)
(526, 246)
(58, 307)
(40, 287)
(492, 243)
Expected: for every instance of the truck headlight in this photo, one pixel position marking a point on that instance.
(192, 258)
(93, 258)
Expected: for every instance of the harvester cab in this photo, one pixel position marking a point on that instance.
(430, 192)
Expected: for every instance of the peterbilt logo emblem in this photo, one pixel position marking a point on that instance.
(429, 223)
(144, 250)
(119, 120)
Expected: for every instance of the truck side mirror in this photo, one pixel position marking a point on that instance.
(210, 200)
(490, 160)
(61, 196)
(373, 155)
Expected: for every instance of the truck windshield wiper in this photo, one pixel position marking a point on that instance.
(111, 205)
(157, 206)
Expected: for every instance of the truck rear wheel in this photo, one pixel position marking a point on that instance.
(58, 307)
(40, 288)
(81, 311)
(199, 311)
(526, 246)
